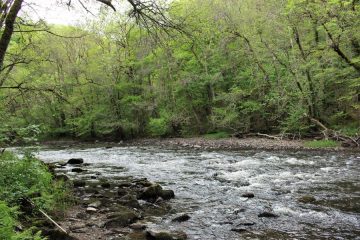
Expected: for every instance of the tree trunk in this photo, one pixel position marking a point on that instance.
(8, 30)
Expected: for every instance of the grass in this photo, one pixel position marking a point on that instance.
(321, 144)
(217, 135)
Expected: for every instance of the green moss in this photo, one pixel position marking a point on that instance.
(321, 144)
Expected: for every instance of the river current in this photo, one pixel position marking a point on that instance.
(209, 184)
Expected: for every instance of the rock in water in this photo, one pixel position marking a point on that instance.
(248, 195)
(268, 215)
(151, 193)
(307, 199)
(77, 170)
(238, 230)
(75, 161)
(181, 218)
(167, 194)
(79, 183)
(105, 185)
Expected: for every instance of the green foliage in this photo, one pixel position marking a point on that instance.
(296, 121)
(321, 144)
(158, 127)
(8, 223)
(28, 177)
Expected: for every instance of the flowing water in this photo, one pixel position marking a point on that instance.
(209, 184)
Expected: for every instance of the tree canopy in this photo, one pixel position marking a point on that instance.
(188, 67)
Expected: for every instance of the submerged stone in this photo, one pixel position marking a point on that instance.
(307, 199)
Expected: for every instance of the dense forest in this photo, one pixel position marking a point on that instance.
(237, 66)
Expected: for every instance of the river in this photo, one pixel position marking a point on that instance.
(209, 184)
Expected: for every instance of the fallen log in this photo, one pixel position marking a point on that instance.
(335, 135)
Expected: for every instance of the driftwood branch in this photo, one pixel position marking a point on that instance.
(332, 134)
(262, 135)
(46, 215)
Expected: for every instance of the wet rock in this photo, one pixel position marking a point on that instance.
(123, 218)
(245, 223)
(167, 194)
(77, 226)
(122, 192)
(241, 184)
(267, 215)
(79, 183)
(151, 193)
(248, 195)
(105, 185)
(77, 170)
(181, 218)
(238, 230)
(82, 215)
(125, 184)
(138, 226)
(91, 210)
(129, 200)
(307, 199)
(55, 234)
(143, 182)
(95, 204)
(162, 235)
(75, 161)
(92, 190)
(237, 211)
(61, 177)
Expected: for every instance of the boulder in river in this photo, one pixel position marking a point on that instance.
(105, 185)
(79, 183)
(167, 194)
(239, 230)
(75, 161)
(267, 215)
(151, 193)
(77, 170)
(248, 195)
(181, 218)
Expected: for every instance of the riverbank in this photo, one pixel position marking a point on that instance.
(250, 143)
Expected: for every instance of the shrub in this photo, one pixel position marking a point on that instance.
(27, 177)
(158, 127)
